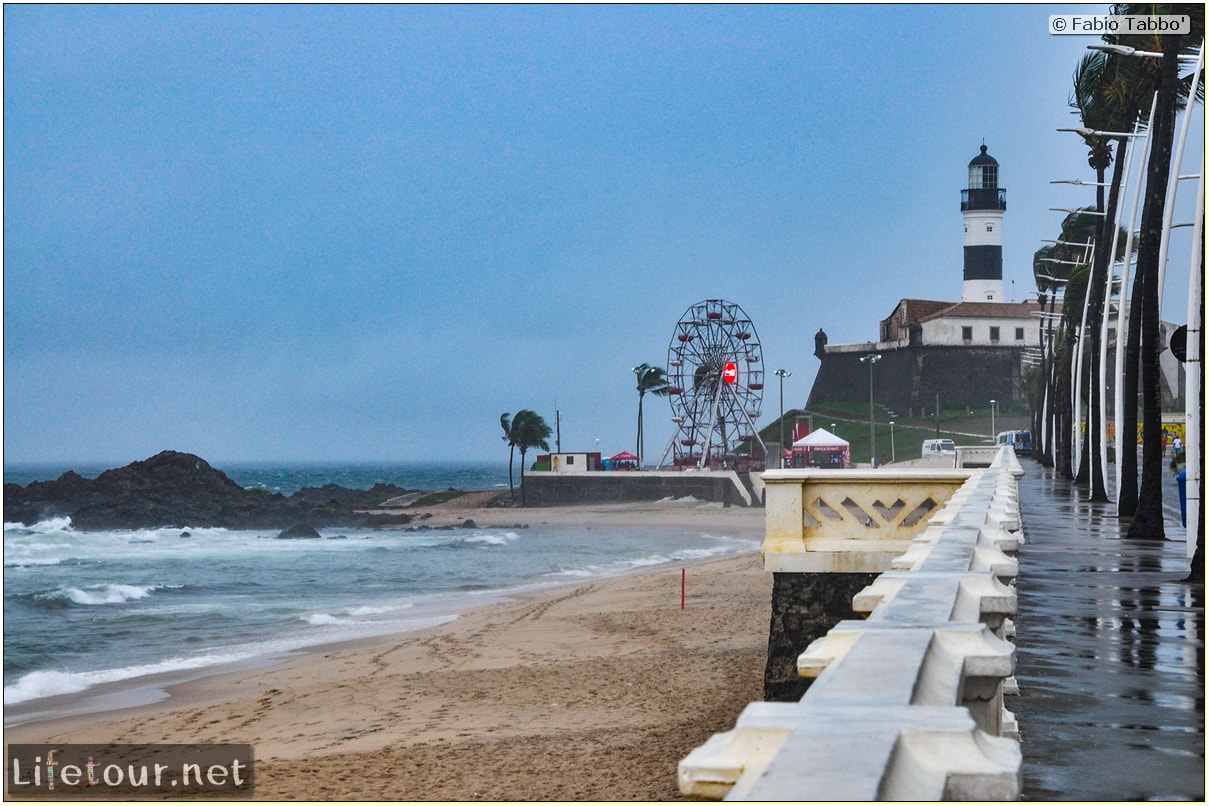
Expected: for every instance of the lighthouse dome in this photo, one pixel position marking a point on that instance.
(983, 158)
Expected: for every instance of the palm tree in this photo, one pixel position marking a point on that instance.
(1054, 267)
(1097, 114)
(1138, 80)
(653, 380)
(529, 430)
(506, 424)
(1043, 418)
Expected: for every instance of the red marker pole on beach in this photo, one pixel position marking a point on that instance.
(682, 588)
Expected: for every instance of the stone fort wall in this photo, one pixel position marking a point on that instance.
(908, 379)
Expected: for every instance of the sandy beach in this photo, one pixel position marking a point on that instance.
(585, 692)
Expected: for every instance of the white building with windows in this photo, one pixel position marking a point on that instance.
(923, 322)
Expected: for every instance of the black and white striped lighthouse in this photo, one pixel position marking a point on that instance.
(983, 203)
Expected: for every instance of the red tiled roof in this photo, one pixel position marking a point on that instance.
(985, 310)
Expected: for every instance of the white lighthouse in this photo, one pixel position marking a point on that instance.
(983, 203)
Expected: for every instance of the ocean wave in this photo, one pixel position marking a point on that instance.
(47, 683)
(47, 526)
(321, 619)
(367, 610)
(101, 594)
(651, 560)
(493, 539)
(458, 542)
(26, 562)
(44, 684)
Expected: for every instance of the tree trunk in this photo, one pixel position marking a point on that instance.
(511, 454)
(1101, 271)
(1127, 462)
(1063, 423)
(638, 446)
(523, 502)
(1148, 519)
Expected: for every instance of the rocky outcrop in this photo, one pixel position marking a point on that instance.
(300, 532)
(173, 489)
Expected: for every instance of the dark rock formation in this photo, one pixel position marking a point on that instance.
(299, 532)
(173, 489)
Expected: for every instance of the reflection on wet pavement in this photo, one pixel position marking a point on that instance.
(1111, 655)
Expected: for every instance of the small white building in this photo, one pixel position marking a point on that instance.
(574, 462)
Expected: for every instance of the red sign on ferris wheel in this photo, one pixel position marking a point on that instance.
(730, 372)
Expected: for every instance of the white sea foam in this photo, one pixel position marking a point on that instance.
(320, 619)
(41, 527)
(374, 611)
(44, 684)
(25, 562)
(50, 683)
(729, 546)
(105, 594)
(493, 539)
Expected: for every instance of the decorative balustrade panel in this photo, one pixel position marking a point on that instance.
(849, 521)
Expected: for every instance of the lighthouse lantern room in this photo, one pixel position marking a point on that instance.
(982, 205)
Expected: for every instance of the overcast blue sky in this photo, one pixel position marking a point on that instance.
(361, 233)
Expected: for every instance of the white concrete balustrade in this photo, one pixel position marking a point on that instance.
(906, 704)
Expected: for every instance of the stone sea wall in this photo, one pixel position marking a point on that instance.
(551, 488)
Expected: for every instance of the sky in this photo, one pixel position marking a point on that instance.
(361, 233)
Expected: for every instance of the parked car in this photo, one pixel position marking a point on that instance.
(939, 447)
(1021, 441)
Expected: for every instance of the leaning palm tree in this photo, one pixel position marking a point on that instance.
(1048, 286)
(506, 424)
(1146, 78)
(1097, 115)
(529, 430)
(650, 379)
(1055, 267)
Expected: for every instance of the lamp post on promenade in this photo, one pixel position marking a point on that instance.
(992, 421)
(871, 360)
(782, 374)
(893, 457)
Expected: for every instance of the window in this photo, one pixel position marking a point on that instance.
(967, 334)
(994, 334)
(570, 460)
(1019, 334)
(984, 176)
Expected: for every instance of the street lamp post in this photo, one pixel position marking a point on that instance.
(893, 457)
(992, 421)
(782, 374)
(871, 360)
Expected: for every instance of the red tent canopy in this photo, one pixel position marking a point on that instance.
(624, 456)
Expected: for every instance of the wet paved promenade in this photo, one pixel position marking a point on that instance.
(1110, 653)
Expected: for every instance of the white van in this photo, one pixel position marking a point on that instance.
(939, 447)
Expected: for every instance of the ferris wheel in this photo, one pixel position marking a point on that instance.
(715, 378)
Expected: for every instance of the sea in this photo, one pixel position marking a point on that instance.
(85, 610)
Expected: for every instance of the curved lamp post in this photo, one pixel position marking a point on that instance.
(871, 360)
(782, 374)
